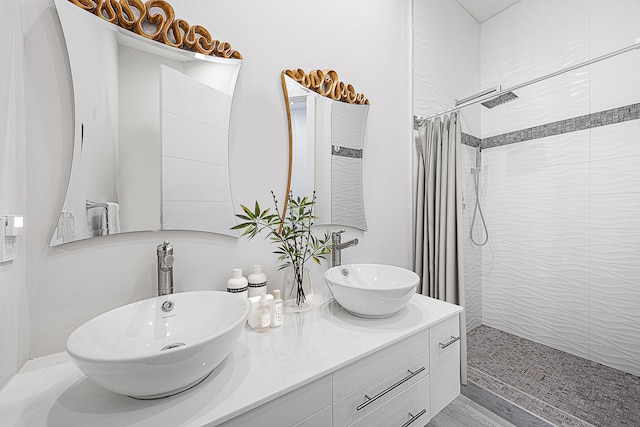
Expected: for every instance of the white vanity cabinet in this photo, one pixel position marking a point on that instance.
(403, 384)
(364, 386)
(322, 368)
(445, 363)
(308, 406)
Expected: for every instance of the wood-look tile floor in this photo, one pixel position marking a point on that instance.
(463, 412)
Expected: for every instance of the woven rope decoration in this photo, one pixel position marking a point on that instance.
(326, 83)
(155, 20)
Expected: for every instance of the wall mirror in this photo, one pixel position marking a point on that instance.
(152, 103)
(327, 122)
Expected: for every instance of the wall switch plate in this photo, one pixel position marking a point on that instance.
(11, 226)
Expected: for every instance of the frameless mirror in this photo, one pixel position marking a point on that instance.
(327, 122)
(151, 122)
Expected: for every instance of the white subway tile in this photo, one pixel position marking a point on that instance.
(614, 82)
(620, 140)
(621, 211)
(614, 25)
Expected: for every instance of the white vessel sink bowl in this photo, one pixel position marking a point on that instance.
(141, 351)
(371, 290)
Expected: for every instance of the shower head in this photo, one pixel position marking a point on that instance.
(505, 97)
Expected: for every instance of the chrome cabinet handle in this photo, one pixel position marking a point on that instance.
(388, 389)
(414, 417)
(451, 341)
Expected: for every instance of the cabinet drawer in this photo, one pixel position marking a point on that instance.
(382, 389)
(408, 409)
(445, 363)
(291, 408)
(319, 419)
(353, 377)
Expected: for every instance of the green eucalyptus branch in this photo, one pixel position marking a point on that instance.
(296, 242)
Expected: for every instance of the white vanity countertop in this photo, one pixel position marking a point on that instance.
(51, 391)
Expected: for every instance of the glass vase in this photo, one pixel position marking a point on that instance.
(297, 291)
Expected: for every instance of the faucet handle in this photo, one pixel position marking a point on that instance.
(167, 261)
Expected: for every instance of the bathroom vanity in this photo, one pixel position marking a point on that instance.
(322, 368)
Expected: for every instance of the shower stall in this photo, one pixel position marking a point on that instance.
(551, 202)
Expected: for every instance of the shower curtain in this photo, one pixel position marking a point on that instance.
(438, 217)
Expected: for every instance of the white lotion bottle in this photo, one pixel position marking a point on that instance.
(264, 314)
(276, 313)
(237, 284)
(257, 282)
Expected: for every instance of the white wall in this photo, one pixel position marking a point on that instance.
(14, 322)
(447, 67)
(562, 266)
(71, 283)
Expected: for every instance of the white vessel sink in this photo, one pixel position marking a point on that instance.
(371, 290)
(142, 351)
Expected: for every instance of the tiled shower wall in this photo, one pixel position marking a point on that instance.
(472, 253)
(562, 266)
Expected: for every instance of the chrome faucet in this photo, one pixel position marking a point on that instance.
(165, 268)
(337, 246)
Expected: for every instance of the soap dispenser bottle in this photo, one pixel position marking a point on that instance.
(257, 282)
(237, 284)
(264, 314)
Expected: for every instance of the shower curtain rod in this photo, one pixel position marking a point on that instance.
(419, 121)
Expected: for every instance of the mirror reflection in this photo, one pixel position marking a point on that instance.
(151, 125)
(327, 123)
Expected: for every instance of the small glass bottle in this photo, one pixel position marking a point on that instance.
(264, 314)
(276, 315)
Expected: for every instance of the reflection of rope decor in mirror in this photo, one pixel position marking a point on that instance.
(326, 83)
(155, 19)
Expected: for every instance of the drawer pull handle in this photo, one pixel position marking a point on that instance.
(451, 341)
(388, 389)
(414, 417)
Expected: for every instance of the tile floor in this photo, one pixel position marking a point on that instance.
(561, 388)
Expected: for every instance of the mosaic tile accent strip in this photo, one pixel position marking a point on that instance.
(354, 153)
(602, 118)
(470, 140)
(563, 389)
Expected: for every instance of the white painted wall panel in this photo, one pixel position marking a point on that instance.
(14, 321)
(186, 96)
(194, 140)
(194, 181)
(214, 217)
